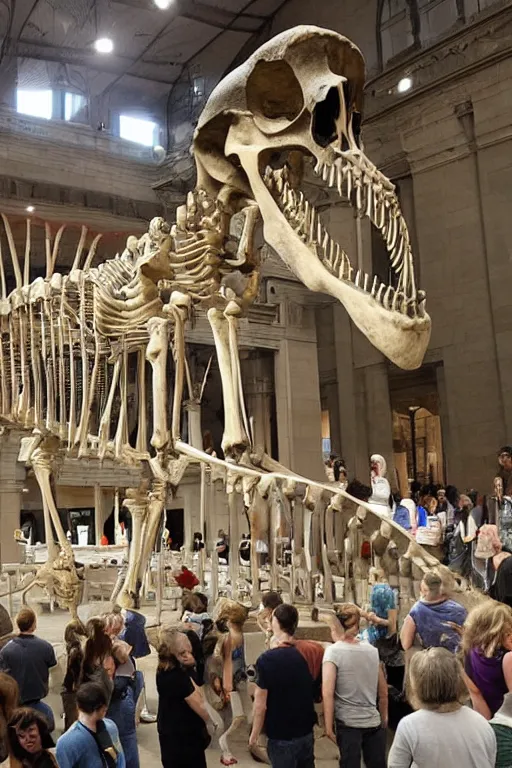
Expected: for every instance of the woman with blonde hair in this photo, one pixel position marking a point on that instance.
(487, 645)
(442, 732)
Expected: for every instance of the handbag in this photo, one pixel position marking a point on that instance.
(388, 647)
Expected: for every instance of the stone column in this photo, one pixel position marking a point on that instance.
(99, 513)
(346, 388)
(299, 414)
(378, 416)
(195, 434)
(259, 389)
(12, 475)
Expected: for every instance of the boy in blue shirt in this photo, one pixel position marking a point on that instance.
(92, 741)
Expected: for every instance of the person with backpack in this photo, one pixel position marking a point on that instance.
(93, 740)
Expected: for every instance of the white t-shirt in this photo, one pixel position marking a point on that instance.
(461, 739)
(357, 680)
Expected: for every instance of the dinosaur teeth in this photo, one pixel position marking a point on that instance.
(370, 198)
(312, 226)
(339, 181)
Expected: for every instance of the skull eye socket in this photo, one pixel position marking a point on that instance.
(266, 85)
(325, 116)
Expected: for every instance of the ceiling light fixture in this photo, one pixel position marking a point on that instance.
(163, 4)
(30, 209)
(104, 45)
(404, 85)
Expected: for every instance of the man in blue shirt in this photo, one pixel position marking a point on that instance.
(28, 659)
(92, 741)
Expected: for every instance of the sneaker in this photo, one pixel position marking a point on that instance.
(147, 717)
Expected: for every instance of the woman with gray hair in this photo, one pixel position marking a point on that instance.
(442, 732)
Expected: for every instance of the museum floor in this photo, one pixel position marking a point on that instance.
(51, 627)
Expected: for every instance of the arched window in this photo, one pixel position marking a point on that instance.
(398, 27)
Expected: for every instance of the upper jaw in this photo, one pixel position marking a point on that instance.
(393, 318)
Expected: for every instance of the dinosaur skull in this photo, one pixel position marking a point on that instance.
(299, 97)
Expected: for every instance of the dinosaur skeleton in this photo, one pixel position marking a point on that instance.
(71, 343)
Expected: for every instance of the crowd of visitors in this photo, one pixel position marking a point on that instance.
(454, 705)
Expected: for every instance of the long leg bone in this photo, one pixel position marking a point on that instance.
(156, 354)
(179, 308)
(136, 502)
(103, 432)
(235, 440)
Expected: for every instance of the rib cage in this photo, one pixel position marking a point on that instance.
(50, 350)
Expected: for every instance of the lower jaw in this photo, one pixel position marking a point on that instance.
(402, 339)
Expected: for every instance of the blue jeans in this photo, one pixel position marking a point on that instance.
(294, 753)
(122, 711)
(44, 709)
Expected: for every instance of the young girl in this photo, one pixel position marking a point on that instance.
(73, 635)
(269, 602)
(30, 740)
(98, 665)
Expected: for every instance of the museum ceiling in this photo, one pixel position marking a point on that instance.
(52, 41)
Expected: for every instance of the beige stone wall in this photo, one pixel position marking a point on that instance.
(449, 144)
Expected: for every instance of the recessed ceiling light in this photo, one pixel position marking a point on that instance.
(30, 209)
(163, 4)
(104, 45)
(404, 85)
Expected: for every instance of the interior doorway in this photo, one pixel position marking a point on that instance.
(175, 524)
(417, 431)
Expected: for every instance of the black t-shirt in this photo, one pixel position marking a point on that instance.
(284, 674)
(28, 659)
(175, 718)
(502, 587)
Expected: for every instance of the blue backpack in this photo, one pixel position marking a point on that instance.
(402, 517)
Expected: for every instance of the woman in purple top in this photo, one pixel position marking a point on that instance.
(435, 620)
(487, 644)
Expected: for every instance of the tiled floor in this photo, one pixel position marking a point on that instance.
(51, 627)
